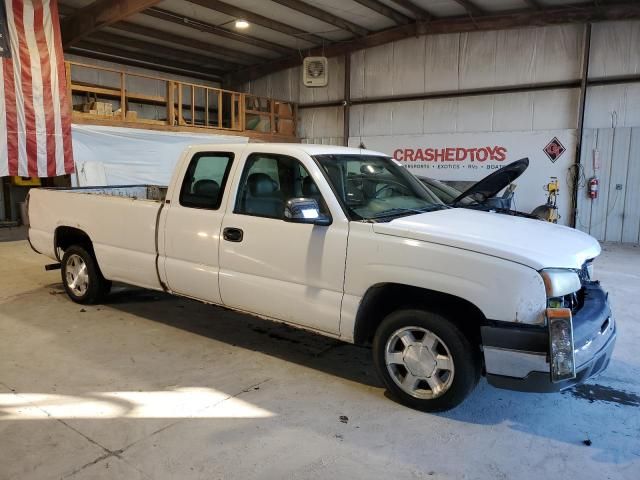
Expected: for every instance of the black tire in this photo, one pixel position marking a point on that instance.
(457, 347)
(97, 287)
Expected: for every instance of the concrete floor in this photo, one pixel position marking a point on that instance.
(153, 387)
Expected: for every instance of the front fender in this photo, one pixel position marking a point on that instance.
(501, 289)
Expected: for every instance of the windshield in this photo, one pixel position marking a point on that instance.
(376, 188)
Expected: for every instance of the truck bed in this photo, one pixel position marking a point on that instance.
(121, 222)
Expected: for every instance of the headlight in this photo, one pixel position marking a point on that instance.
(559, 282)
(563, 366)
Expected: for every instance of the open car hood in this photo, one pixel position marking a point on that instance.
(493, 183)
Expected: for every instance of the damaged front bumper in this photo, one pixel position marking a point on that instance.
(517, 357)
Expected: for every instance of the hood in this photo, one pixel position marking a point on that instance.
(534, 243)
(493, 183)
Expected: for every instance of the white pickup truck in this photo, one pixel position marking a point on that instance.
(346, 243)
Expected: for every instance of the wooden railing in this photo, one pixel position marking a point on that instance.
(109, 96)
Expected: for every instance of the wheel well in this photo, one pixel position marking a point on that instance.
(381, 300)
(68, 236)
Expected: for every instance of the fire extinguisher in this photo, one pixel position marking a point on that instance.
(593, 187)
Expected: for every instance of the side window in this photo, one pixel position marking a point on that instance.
(269, 180)
(203, 184)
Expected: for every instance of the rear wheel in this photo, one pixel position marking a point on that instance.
(425, 361)
(81, 276)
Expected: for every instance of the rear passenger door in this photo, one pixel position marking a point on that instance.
(192, 225)
(287, 271)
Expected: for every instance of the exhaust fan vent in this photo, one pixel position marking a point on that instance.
(315, 72)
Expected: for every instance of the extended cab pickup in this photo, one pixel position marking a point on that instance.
(347, 243)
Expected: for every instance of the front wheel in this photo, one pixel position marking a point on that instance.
(424, 360)
(81, 276)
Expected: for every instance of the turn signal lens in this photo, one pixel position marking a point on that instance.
(563, 365)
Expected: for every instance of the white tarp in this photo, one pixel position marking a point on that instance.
(472, 156)
(126, 156)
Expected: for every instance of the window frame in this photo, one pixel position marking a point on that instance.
(245, 175)
(189, 173)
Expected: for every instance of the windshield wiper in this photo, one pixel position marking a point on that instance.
(400, 211)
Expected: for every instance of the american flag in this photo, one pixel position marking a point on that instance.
(35, 116)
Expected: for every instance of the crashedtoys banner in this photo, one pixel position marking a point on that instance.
(471, 156)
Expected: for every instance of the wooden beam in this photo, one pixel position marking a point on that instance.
(385, 10)
(575, 13)
(178, 40)
(251, 17)
(319, 14)
(134, 59)
(419, 12)
(201, 26)
(470, 7)
(97, 15)
(129, 43)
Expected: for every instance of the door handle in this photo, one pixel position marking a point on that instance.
(231, 234)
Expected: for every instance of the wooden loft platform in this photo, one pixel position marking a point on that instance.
(112, 97)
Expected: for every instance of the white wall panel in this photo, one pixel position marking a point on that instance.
(440, 115)
(632, 111)
(442, 56)
(515, 56)
(407, 117)
(554, 109)
(611, 106)
(475, 114)
(559, 53)
(377, 119)
(467, 61)
(357, 74)
(614, 49)
(477, 59)
(316, 124)
(408, 67)
(513, 112)
(378, 71)
(539, 111)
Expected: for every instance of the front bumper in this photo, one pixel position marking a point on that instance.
(517, 358)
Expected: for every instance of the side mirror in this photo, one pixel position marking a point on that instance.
(305, 210)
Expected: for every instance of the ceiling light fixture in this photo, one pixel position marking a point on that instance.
(242, 24)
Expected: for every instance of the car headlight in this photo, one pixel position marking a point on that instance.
(559, 282)
(563, 364)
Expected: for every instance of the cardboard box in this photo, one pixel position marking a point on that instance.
(284, 109)
(286, 126)
(132, 116)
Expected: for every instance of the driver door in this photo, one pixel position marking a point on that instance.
(287, 271)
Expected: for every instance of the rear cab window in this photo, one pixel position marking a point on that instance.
(205, 179)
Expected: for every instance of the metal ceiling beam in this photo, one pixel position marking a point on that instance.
(419, 12)
(143, 60)
(186, 42)
(128, 43)
(251, 17)
(470, 7)
(201, 26)
(385, 10)
(533, 4)
(576, 13)
(184, 21)
(323, 15)
(97, 15)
